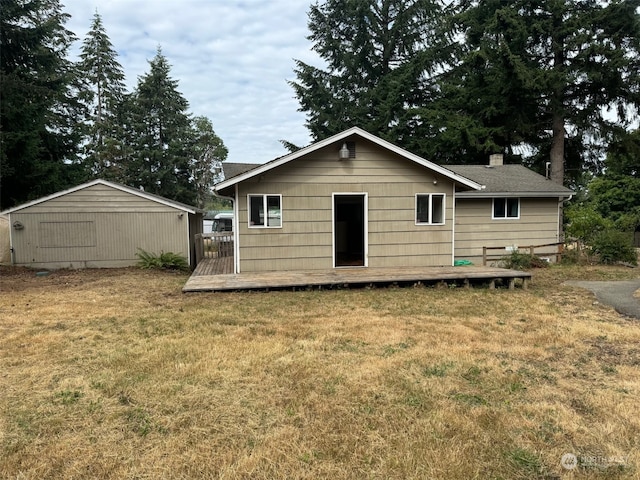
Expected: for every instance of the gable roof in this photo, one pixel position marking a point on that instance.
(117, 186)
(515, 180)
(260, 169)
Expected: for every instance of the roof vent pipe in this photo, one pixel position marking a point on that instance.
(496, 159)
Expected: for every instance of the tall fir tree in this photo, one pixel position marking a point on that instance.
(38, 109)
(484, 104)
(375, 65)
(544, 73)
(103, 147)
(159, 135)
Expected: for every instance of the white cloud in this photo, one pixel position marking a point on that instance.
(232, 60)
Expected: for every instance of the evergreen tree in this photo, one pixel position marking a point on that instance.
(160, 134)
(543, 72)
(616, 193)
(623, 155)
(375, 65)
(208, 153)
(38, 108)
(485, 104)
(104, 96)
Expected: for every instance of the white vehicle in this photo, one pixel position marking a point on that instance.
(222, 222)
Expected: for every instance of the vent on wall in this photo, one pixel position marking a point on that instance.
(351, 146)
(348, 150)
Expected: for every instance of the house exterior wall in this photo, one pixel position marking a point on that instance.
(474, 228)
(98, 226)
(305, 240)
(5, 240)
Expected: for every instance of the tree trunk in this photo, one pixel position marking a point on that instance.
(557, 149)
(558, 99)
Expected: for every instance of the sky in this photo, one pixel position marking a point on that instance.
(232, 60)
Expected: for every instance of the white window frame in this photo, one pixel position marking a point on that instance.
(264, 196)
(444, 208)
(506, 210)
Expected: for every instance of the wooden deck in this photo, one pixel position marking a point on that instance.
(214, 275)
(214, 266)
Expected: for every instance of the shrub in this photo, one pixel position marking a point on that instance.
(613, 246)
(573, 256)
(584, 222)
(166, 260)
(523, 261)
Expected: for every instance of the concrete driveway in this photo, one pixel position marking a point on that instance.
(619, 295)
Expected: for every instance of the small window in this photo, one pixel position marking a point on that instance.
(506, 208)
(430, 208)
(261, 204)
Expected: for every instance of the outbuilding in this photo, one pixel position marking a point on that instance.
(100, 224)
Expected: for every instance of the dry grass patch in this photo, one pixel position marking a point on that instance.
(116, 374)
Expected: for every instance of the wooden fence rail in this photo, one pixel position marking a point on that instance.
(531, 249)
(213, 245)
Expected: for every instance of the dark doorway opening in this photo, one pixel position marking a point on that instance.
(349, 230)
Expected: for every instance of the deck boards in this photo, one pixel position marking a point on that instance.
(214, 266)
(214, 275)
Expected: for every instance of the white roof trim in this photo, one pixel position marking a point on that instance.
(117, 186)
(341, 136)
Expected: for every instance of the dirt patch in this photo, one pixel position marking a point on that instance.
(16, 279)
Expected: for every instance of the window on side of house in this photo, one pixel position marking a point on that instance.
(506, 208)
(430, 208)
(265, 211)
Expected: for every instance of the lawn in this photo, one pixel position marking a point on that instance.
(116, 374)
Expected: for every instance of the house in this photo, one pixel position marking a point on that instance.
(516, 208)
(100, 224)
(355, 199)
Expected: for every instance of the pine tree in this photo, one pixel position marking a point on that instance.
(39, 109)
(208, 152)
(543, 73)
(375, 65)
(104, 96)
(160, 134)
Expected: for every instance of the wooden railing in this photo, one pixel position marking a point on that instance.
(531, 249)
(213, 245)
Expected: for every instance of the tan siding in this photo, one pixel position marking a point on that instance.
(306, 237)
(416, 237)
(287, 251)
(425, 260)
(67, 234)
(287, 240)
(98, 198)
(538, 224)
(274, 264)
(117, 238)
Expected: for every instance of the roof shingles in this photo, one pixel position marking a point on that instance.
(509, 179)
